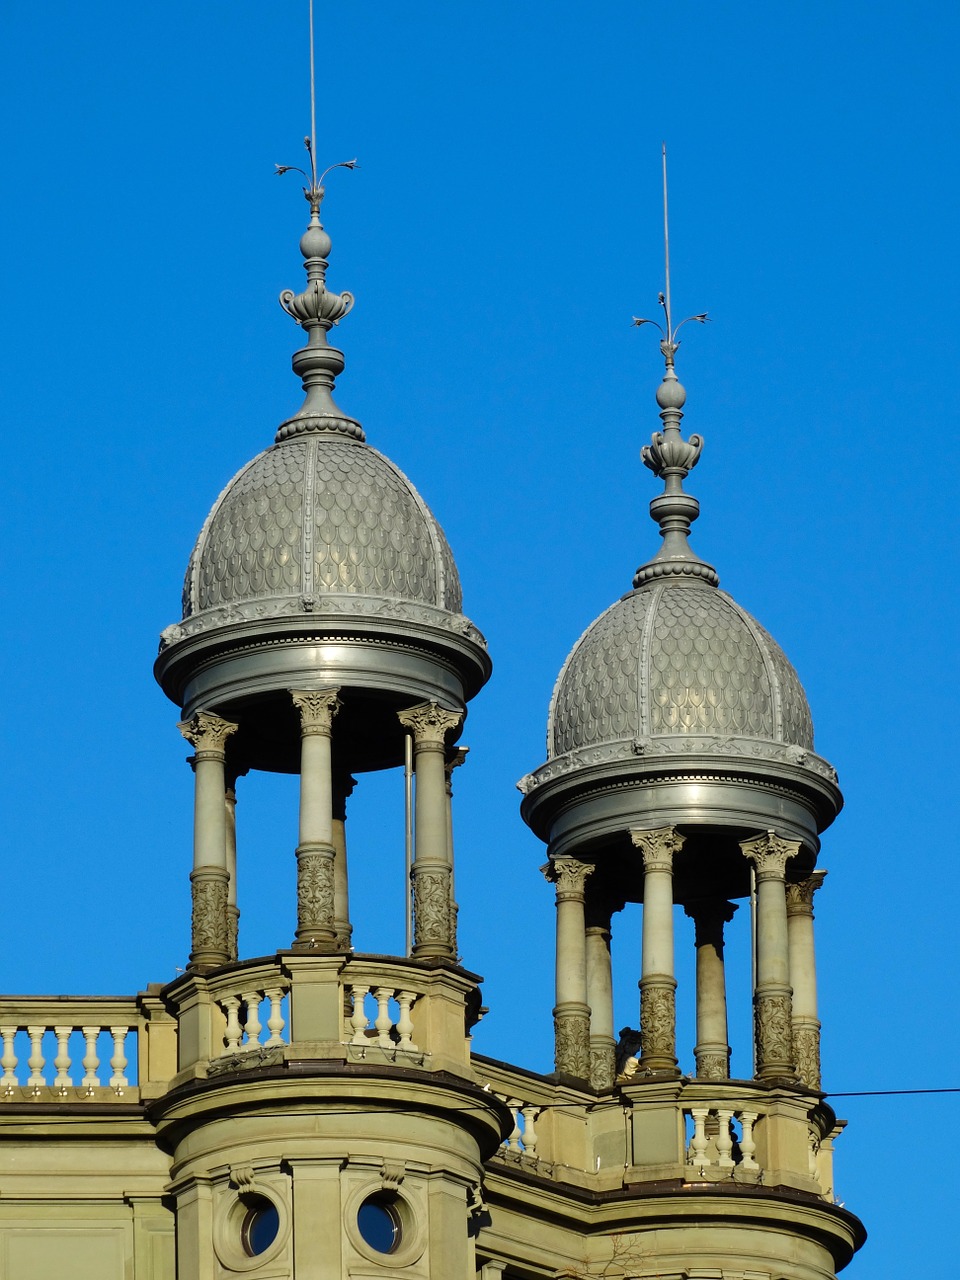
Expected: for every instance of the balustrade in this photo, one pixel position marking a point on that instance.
(716, 1145)
(388, 1030)
(522, 1139)
(250, 1014)
(68, 1047)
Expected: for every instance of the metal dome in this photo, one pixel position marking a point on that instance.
(319, 514)
(676, 659)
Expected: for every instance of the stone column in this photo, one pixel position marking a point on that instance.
(658, 986)
(316, 926)
(571, 1015)
(434, 915)
(603, 1043)
(772, 1004)
(343, 786)
(803, 978)
(455, 757)
(712, 1051)
(233, 910)
(210, 878)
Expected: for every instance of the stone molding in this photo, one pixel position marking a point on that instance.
(207, 734)
(430, 723)
(317, 709)
(658, 847)
(769, 854)
(800, 894)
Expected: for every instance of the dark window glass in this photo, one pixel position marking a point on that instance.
(379, 1225)
(260, 1228)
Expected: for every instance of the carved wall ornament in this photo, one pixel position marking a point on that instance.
(713, 1066)
(434, 921)
(430, 723)
(769, 854)
(317, 708)
(392, 1173)
(774, 1032)
(800, 894)
(208, 734)
(210, 929)
(658, 847)
(572, 1036)
(315, 890)
(658, 1019)
(806, 1048)
(602, 1066)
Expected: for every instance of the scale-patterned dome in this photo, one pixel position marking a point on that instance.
(320, 513)
(676, 658)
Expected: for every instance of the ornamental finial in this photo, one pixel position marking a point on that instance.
(668, 454)
(316, 309)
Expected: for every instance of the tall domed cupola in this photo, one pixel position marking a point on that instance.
(680, 770)
(320, 562)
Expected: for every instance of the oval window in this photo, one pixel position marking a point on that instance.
(379, 1224)
(261, 1225)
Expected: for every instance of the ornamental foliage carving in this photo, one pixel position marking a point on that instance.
(602, 1066)
(774, 1031)
(806, 1048)
(430, 723)
(570, 877)
(658, 847)
(207, 733)
(572, 1033)
(769, 854)
(433, 915)
(315, 892)
(317, 708)
(713, 1066)
(800, 894)
(210, 929)
(658, 1020)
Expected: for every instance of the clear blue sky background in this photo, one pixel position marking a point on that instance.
(502, 230)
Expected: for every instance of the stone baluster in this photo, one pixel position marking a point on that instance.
(36, 1061)
(91, 1058)
(772, 1003)
(275, 1021)
(210, 878)
(658, 986)
(233, 1032)
(118, 1060)
(358, 1018)
(603, 1044)
(404, 1028)
(803, 978)
(9, 1059)
(233, 911)
(712, 1051)
(343, 786)
(252, 1026)
(62, 1060)
(316, 911)
(434, 912)
(571, 1014)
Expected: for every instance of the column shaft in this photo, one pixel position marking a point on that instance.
(772, 999)
(433, 906)
(210, 878)
(603, 1043)
(658, 986)
(341, 896)
(712, 1051)
(803, 978)
(571, 1014)
(316, 926)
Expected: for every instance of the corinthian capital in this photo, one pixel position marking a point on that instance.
(207, 733)
(800, 894)
(658, 847)
(430, 723)
(317, 708)
(769, 853)
(569, 875)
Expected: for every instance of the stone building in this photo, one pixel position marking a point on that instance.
(319, 1113)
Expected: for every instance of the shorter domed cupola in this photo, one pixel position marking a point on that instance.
(676, 703)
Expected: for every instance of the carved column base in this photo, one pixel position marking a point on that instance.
(571, 1026)
(713, 1061)
(806, 1048)
(434, 914)
(233, 931)
(315, 920)
(773, 1022)
(343, 933)
(210, 933)
(658, 1024)
(603, 1061)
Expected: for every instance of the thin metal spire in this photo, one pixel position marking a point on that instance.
(313, 99)
(668, 455)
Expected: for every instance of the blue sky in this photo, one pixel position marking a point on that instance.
(502, 230)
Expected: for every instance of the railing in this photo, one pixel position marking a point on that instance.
(388, 1030)
(716, 1144)
(251, 1012)
(69, 1047)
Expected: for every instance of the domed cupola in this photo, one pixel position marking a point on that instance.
(675, 701)
(320, 564)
